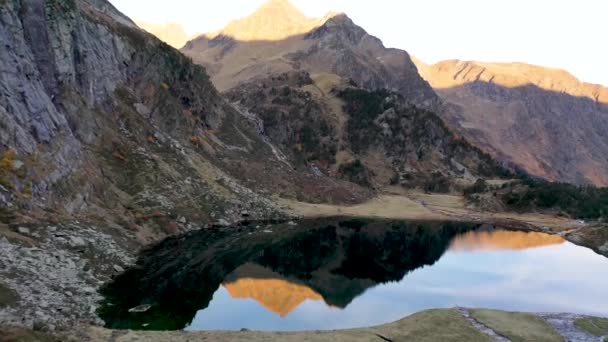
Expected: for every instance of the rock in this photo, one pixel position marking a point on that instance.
(17, 164)
(76, 241)
(182, 220)
(118, 269)
(140, 308)
(23, 230)
(88, 290)
(291, 223)
(245, 213)
(267, 231)
(223, 223)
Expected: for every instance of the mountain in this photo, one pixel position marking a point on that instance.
(170, 33)
(331, 96)
(278, 38)
(539, 120)
(543, 120)
(371, 138)
(102, 120)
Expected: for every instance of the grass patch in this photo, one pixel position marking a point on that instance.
(433, 325)
(517, 326)
(593, 325)
(15, 334)
(8, 297)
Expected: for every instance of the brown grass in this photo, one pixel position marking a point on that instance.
(518, 327)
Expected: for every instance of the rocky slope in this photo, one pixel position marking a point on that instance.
(370, 138)
(109, 140)
(544, 120)
(278, 38)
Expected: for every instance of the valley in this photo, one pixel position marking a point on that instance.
(294, 164)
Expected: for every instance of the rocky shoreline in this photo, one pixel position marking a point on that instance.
(54, 272)
(51, 274)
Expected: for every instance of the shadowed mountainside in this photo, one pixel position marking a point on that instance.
(540, 120)
(543, 120)
(329, 45)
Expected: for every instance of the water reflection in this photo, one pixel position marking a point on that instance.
(333, 273)
(503, 240)
(268, 289)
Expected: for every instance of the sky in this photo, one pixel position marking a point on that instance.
(566, 34)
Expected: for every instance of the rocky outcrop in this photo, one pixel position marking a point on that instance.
(370, 138)
(247, 49)
(543, 120)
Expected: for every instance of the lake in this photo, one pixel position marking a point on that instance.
(344, 273)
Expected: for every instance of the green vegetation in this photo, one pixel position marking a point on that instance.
(518, 327)
(480, 186)
(60, 8)
(593, 325)
(585, 202)
(437, 183)
(8, 297)
(354, 172)
(363, 107)
(432, 325)
(381, 117)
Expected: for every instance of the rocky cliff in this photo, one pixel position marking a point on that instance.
(370, 138)
(99, 116)
(544, 120)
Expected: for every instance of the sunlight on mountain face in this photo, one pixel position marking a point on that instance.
(170, 33)
(277, 295)
(503, 240)
(276, 20)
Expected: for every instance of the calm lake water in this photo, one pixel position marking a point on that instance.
(332, 274)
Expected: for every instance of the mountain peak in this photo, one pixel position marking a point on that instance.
(275, 20)
(279, 8)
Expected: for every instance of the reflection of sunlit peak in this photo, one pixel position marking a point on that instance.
(503, 240)
(277, 295)
(268, 288)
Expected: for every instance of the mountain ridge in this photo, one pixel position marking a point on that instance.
(521, 114)
(542, 119)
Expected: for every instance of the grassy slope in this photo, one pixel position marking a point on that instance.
(593, 325)
(432, 325)
(517, 326)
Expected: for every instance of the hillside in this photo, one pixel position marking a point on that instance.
(112, 141)
(278, 38)
(540, 120)
(543, 120)
(371, 138)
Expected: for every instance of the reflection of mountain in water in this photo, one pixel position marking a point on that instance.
(503, 240)
(269, 289)
(331, 259)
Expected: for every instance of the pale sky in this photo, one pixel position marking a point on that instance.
(567, 34)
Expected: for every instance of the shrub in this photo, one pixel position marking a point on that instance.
(585, 202)
(355, 172)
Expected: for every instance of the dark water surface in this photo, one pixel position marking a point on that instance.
(344, 273)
